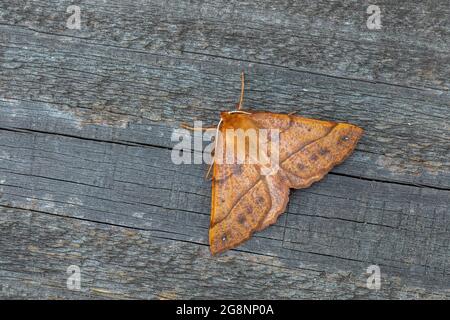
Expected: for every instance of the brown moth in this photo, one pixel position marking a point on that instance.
(244, 198)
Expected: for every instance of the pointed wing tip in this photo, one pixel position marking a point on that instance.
(212, 247)
(354, 130)
(215, 247)
(359, 132)
(219, 245)
(213, 251)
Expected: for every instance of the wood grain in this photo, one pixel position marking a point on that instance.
(86, 118)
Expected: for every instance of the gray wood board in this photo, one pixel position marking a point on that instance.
(86, 118)
(126, 263)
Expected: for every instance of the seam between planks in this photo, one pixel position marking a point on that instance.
(146, 145)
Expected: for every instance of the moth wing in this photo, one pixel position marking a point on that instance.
(244, 200)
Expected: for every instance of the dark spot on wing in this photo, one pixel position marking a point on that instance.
(300, 166)
(313, 157)
(259, 200)
(323, 151)
(342, 139)
(248, 209)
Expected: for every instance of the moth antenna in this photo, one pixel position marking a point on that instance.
(239, 111)
(241, 99)
(239, 106)
(207, 177)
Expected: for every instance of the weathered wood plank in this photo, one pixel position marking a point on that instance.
(317, 36)
(118, 262)
(406, 130)
(85, 123)
(341, 222)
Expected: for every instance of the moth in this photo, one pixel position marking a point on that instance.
(246, 197)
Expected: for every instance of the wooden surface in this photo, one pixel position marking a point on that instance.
(86, 118)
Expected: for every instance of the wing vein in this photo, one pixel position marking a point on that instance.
(259, 179)
(304, 146)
